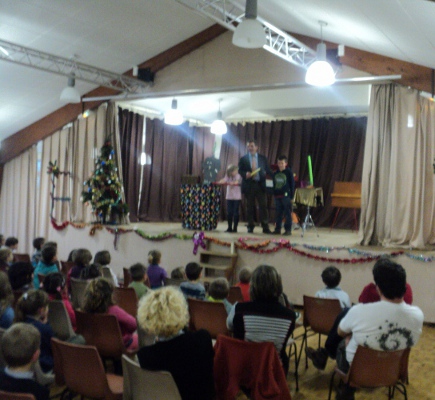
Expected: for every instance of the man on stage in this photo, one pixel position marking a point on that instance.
(253, 168)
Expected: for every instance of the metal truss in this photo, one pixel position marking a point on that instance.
(63, 66)
(278, 42)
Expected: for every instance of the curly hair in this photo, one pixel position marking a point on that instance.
(163, 312)
(98, 296)
(6, 295)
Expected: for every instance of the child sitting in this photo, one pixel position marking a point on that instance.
(178, 273)
(193, 288)
(37, 255)
(331, 277)
(47, 265)
(90, 272)
(11, 243)
(81, 259)
(20, 347)
(104, 259)
(21, 276)
(156, 274)
(218, 292)
(245, 283)
(6, 258)
(138, 275)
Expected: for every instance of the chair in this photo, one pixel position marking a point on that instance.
(84, 373)
(126, 298)
(23, 257)
(65, 266)
(16, 396)
(142, 384)
(59, 320)
(235, 295)
(127, 277)
(319, 316)
(255, 366)
(374, 368)
(209, 316)
(78, 289)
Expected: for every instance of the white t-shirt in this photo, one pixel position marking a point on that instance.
(335, 293)
(382, 326)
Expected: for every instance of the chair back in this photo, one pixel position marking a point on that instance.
(78, 289)
(24, 257)
(126, 298)
(16, 396)
(376, 368)
(235, 295)
(57, 363)
(127, 277)
(320, 314)
(83, 370)
(142, 384)
(107, 274)
(101, 331)
(65, 266)
(59, 320)
(209, 316)
(174, 282)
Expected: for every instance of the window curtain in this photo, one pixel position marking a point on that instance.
(398, 176)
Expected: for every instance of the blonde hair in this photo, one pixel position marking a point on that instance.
(163, 312)
(5, 254)
(230, 169)
(98, 296)
(154, 257)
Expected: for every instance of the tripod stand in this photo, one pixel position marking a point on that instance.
(308, 223)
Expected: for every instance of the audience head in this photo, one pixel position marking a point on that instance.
(6, 255)
(20, 274)
(54, 284)
(50, 243)
(82, 257)
(178, 273)
(163, 312)
(245, 275)
(33, 303)
(98, 296)
(390, 278)
(91, 271)
(48, 254)
(102, 257)
(38, 243)
(219, 289)
(154, 257)
(2, 240)
(331, 276)
(71, 256)
(193, 271)
(6, 295)
(137, 272)
(12, 243)
(20, 345)
(266, 284)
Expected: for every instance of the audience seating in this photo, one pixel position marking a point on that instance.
(84, 373)
(65, 266)
(21, 257)
(106, 273)
(209, 316)
(255, 366)
(16, 396)
(319, 316)
(59, 320)
(126, 298)
(374, 368)
(235, 295)
(78, 289)
(127, 277)
(142, 384)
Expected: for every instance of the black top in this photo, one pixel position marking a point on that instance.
(16, 385)
(284, 183)
(189, 358)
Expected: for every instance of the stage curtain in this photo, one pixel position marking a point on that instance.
(201, 144)
(398, 176)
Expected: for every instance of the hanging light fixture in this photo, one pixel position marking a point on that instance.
(70, 94)
(320, 72)
(250, 32)
(218, 126)
(173, 116)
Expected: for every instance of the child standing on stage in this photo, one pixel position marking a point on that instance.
(233, 197)
(156, 274)
(283, 191)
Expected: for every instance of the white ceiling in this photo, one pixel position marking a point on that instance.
(117, 34)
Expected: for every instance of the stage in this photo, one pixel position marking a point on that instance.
(300, 260)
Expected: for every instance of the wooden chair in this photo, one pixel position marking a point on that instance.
(78, 289)
(209, 316)
(235, 295)
(319, 316)
(59, 320)
(83, 372)
(142, 384)
(65, 266)
(374, 368)
(127, 277)
(23, 257)
(16, 396)
(126, 298)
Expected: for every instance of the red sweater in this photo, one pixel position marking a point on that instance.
(371, 295)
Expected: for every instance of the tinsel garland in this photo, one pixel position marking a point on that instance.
(59, 227)
(159, 237)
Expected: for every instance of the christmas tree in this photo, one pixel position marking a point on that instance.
(103, 189)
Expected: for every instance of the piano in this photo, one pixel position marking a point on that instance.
(346, 195)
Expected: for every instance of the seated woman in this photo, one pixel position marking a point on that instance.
(99, 299)
(264, 318)
(188, 356)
